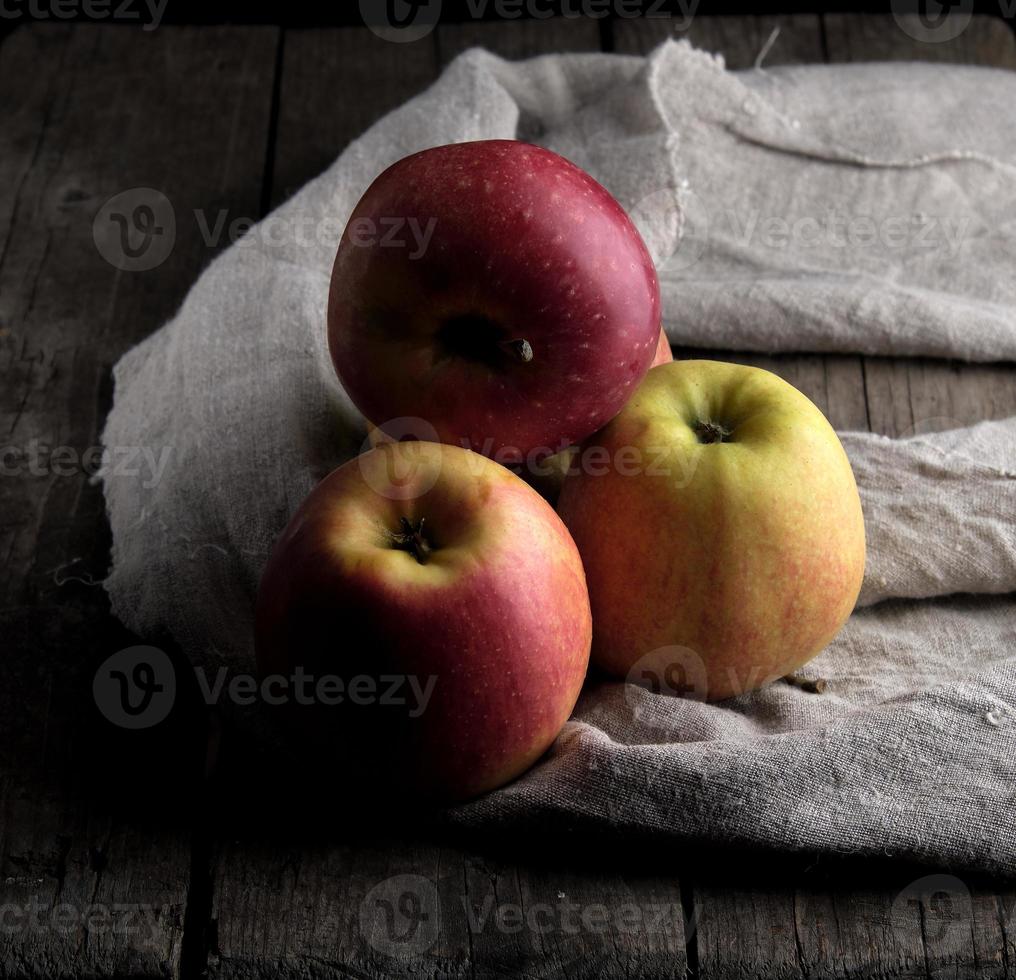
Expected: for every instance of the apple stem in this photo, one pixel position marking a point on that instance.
(709, 432)
(411, 539)
(816, 686)
(521, 350)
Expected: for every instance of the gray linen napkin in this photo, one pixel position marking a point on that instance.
(851, 208)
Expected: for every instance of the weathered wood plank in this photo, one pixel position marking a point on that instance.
(335, 82)
(94, 854)
(380, 908)
(962, 38)
(282, 910)
(740, 39)
(945, 396)
(836, 921)
(86, 893)
(516, 39)
(383, 74)
(573, 916)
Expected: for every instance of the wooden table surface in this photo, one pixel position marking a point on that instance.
(132, 854)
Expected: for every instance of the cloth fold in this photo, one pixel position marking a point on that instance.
(750, 190)
(939, 511)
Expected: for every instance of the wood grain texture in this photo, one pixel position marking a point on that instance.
(90, 823)
(86, 892)
(334, 83)
(979, 40)
(835, 921)
(740, 39)
(515, 39)
(394, 907)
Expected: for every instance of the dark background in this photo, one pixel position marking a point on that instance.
(310, 13)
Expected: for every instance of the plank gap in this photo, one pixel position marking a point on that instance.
(607, 44)
(690, 911)
(268, 173)
(198, 932)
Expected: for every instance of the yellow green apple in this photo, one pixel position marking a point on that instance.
(720, 526)
(429, 571)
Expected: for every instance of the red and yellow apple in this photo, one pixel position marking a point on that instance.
(718, 520)
(434, 569)
(497, 291)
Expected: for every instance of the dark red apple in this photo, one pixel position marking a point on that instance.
(497, 291)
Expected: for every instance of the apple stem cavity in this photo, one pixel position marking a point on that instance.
(710, 432)
(816, 686)
(478, 338)
(411, 539)
(521, 350)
